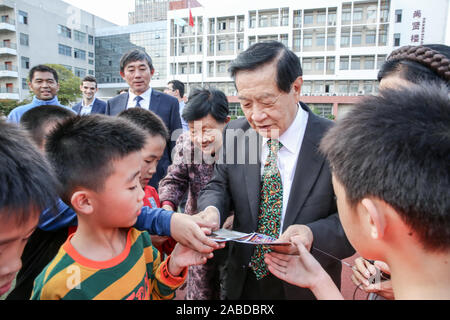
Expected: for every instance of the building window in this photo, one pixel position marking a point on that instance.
(396, 39)
(369, 62)
(64, 31)
(307, 64)
(319, 64)
(23, 17)
(91, 40)
(344, 63)
(24, 39)
(320, 40)
(25, 62)
(90, 61)
(308, 18)
(79, 54)
(398, 16)
(356, 38)
(284, 17)
(307, 40)
(24, 83)
(357, 14)
(370, 37)
(80, 73)
(79, 36)
(64, 50)
(297, 18)
(356, 63)
(345, 38)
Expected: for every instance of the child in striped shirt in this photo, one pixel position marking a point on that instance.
(98, 162)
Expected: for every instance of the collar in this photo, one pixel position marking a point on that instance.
(39, 102)
(146, 95)
(290, 138)
(90, 105)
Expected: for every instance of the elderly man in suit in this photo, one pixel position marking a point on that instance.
(272, 175)
(89, 104)
(136, 69)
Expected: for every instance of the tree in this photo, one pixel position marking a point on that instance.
(69, 85)
(7, 105)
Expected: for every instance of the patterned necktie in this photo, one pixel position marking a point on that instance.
(269, 218)
(138, 100)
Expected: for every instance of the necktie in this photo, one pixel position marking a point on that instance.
(138, 100)
(271, 204)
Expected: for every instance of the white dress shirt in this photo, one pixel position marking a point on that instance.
(145, 102)
(86, 109)
(292, 140)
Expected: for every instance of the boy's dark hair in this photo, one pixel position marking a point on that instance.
(260, 54)
(42, 68)
(425, 63)
(37, 119)
(202, 102)
(89, 79)
(146, 120)
(177, 85)
(396, 147)
(82, 150)
(28, 185)
(135, 55)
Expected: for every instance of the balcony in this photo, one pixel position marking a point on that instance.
(7, 4)
(7, 24)
(9, 94)
(8, 71)
(9, 49)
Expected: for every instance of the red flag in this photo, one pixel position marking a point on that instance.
(191, 18)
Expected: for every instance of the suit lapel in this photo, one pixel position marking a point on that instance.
(154, 100)
(308, 167)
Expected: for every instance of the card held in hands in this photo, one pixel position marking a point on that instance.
(224, 235)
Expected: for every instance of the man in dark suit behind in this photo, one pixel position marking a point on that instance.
(272, 176)
(89, 104)
(136, 69)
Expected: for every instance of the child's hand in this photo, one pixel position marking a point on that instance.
(190, 232)
(301, 270)
(183, 257)
(364, 270)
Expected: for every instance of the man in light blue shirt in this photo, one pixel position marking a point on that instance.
(175, 88)
(45, 86)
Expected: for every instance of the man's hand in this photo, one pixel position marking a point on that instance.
(209, 215)
(301, 231)
(190, 232)
(183, 257)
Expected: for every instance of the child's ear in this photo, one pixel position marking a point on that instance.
(81, 202)
(375, 217)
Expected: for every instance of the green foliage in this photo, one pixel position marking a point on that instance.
(69, 85)
(7, 105)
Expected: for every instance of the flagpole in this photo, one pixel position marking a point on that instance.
(189, 45)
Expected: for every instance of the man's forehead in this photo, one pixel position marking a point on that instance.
(43, 75)
(137, 63)
(88, 84)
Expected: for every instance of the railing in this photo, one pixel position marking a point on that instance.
(7, 20)
(8, 46)
(9, 90)
(9, 68)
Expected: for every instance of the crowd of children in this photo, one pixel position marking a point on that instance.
(78, 219)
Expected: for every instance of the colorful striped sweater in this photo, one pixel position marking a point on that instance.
(135, 274)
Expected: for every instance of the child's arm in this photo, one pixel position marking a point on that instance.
(183, 257)
(57, 217)
(303, 271)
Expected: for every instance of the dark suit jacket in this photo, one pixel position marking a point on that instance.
(167, 108)
(236, 186)
(98, 107)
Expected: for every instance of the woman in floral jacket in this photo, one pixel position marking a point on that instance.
(195, 153)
